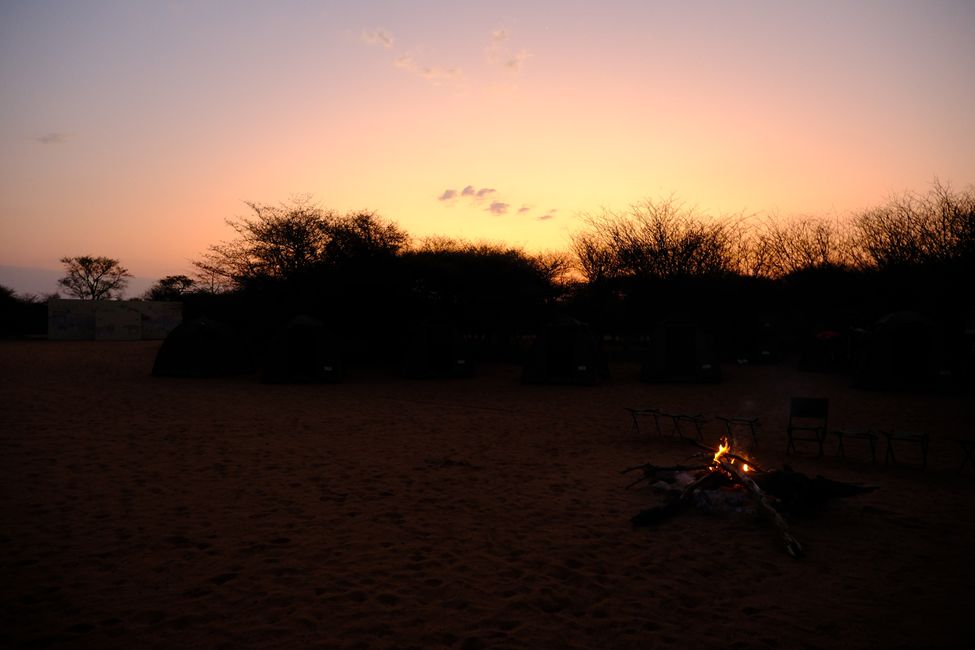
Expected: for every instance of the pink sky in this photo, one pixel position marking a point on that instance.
(133, 129)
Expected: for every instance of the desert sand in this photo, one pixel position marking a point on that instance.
(143, 512)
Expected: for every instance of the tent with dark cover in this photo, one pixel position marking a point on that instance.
(754, 339)
(902, 349)
(436, 350)
(681, 351)
(201, 347)
(303, 351)
(825, 350)
(566, 352)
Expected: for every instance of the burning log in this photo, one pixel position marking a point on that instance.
(792, 545)
(770, 490)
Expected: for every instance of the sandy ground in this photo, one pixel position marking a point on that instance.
(386, 513)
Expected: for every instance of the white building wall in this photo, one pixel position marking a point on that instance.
(111, 320)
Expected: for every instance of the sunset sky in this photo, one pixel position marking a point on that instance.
(133, 129)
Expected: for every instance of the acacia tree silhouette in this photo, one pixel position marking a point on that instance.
(780, 249)
(299, 258)
(292, 240)
(916, 230)
(278, 242)
(94, 278)
(656, 240)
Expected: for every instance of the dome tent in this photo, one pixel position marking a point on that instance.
(303, 351)
(201, 347)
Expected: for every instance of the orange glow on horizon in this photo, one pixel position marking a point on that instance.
(119, 142)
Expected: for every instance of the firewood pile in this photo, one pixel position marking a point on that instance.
(772, 492)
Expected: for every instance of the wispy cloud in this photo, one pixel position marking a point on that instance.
(469, 192)
(499, 54)
(488, 199)
(410, 61)
(53, 137)
(498, 207)
(378, 36)
(474, 196)
(516, 60)
(434, 74)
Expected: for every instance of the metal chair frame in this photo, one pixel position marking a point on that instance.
(808, 415)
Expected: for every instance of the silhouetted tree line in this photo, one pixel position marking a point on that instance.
(367, 279)
(664, 240)
(914, 252)
(626, 271)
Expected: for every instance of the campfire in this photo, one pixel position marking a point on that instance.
(772, 492)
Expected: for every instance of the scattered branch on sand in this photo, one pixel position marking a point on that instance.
(792, 545)
(654, 473)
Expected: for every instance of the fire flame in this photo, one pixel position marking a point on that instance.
(724, 447)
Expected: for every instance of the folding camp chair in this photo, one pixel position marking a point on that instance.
(682, 418)
(808, 421)
(637, 413)
(678, 419)
(851, 434)
(919, 439)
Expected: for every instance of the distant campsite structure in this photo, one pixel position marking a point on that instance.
(436, 350)
(111, 320)
(681, 351)
(566, 351)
